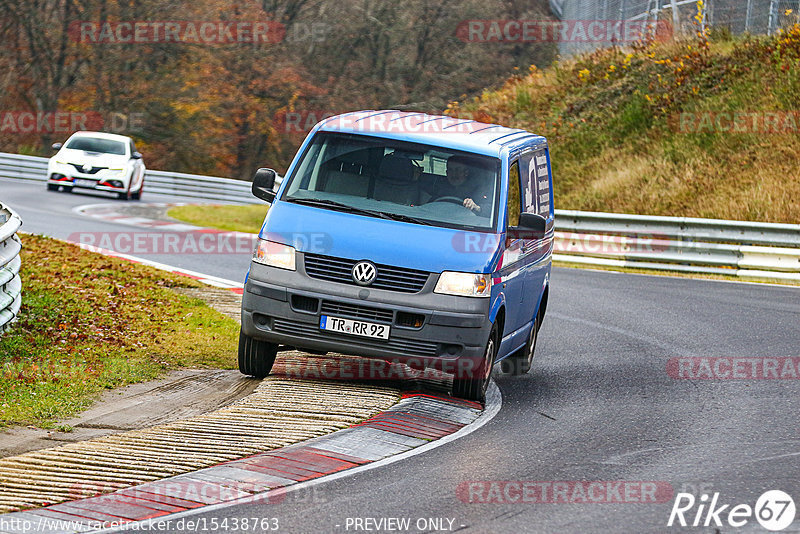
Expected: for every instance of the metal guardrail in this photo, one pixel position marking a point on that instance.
(680, 244)
(10, 283)
(203, 188)
(711, 246)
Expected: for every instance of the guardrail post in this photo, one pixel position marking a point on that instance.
(10, 283)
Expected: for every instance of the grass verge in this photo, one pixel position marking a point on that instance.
(247, 218)
(90, 322)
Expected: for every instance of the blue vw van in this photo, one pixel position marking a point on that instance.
(406, 237)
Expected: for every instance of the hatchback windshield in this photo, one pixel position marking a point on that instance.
(94, 144)
(403, 181)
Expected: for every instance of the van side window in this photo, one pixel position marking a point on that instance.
(513, 195)
(528, 171)
(542, 179)
(535, 182)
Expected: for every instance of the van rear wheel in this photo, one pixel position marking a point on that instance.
(521, 361)
(471, 384)
(256, 357)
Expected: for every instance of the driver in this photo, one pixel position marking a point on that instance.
(463, 182)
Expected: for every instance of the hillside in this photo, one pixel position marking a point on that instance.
(705, 127)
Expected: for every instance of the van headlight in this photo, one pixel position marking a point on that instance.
(275, 254)
(464, 284)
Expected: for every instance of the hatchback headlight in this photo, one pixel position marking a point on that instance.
(275, 254)
(464, 284)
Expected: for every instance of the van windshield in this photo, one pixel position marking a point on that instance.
(411, 182)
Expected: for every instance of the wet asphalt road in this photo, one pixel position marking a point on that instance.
(599, 406)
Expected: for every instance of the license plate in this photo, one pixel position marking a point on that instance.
(355, 328)
(84, 183)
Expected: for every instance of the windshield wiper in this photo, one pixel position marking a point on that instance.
(408, 218)
(360, 211)
(339, 206)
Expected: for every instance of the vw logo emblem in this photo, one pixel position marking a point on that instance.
(364, 273)
(87, 168)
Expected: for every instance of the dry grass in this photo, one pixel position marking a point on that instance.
(611, 118)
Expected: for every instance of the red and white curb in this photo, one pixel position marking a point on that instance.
(416, 424)
(112, 213)
(208, 279)
(165, 237)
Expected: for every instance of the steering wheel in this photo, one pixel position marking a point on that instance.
(454, 200)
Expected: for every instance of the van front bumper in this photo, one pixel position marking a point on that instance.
(284, 307)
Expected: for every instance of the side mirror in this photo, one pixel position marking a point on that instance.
(531, 226)
(263, 183)
(136, 155)
(57, 146)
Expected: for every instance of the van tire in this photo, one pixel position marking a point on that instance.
(521, 361)
(473, 387)
(256, 357)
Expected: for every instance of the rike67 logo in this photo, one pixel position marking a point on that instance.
(774, 510)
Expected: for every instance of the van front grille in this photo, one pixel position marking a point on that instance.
(389, 277)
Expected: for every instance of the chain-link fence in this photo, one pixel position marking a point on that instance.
(738, 16)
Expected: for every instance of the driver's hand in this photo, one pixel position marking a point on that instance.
(470, 204)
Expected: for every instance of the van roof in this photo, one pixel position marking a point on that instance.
(459, 134)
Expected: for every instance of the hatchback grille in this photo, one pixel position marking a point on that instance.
(357, 311)
(93, 170)
(389, 277)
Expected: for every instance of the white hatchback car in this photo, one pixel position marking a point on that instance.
(99, 161)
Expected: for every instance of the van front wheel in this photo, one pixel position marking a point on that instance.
(256, 357)
(471, 383)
